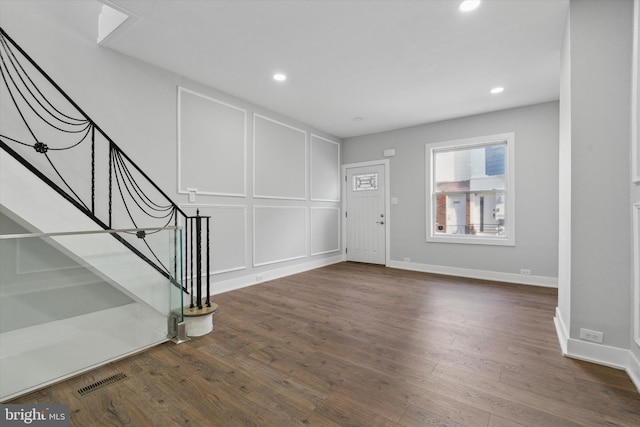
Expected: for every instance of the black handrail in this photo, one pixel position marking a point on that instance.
(138, 197)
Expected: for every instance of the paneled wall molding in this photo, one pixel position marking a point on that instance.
(291, 168)
(212, 146)
(228, 235)
(279, 234)
(279, 160)
(325, 169)
(325, 230)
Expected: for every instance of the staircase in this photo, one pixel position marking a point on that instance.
(82, 200)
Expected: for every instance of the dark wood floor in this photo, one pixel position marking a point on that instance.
(362, 345)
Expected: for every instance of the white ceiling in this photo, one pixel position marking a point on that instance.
(395, 63)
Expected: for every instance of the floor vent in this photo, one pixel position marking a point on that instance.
(102, 383)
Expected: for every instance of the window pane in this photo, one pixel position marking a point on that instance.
(469, 191)
(470, 169)
(366, 181)
(473, 214)
(494, 160)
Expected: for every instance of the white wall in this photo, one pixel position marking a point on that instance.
(137, 106)
(536, 144)
(600, 134)
(635, 200)
(564, 204)
(596, 264)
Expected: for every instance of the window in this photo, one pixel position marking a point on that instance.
(364, 182)
(470, 191)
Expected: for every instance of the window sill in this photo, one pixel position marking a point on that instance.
(491, 241)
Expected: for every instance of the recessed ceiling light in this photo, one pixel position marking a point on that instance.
(498, 89)
(469, 5)
(279, 77)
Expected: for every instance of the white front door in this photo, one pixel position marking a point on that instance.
(456, 213)
(365, 211)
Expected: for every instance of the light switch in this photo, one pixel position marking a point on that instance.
(192, 194)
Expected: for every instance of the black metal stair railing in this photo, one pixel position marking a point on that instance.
(46, 131)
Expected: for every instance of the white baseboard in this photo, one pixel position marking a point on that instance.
(633, 369)
(561, 331)
(613, 357)
(549, 282)
(263, 276)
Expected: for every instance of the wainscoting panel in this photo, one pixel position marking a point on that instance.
(212, 142)
(279, 234)
(228, 235)
(280, 160)
(325, 169)
(325, 230)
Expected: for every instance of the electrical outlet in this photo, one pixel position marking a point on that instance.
(407, 259)
(525, 271)
(259, 278)
(593, 336)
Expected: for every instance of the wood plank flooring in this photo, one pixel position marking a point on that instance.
(362, 345)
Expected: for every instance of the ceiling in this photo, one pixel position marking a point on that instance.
(391, 63)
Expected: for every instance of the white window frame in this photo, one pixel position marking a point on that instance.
(510, 239)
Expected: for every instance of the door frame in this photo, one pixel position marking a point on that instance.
(387, 205)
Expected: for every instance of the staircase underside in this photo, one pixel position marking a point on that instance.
(34, 308)
(36, 356)
(49, 329)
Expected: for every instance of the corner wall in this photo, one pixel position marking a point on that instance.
(600, 175)
(634, 362)
(595, 290)
(536, 170)
(563, 313)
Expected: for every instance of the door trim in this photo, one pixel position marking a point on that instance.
(387, 204)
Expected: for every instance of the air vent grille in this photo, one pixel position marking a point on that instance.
(102, 383)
